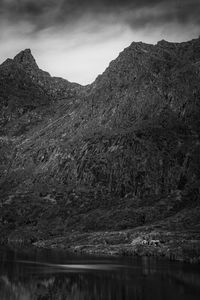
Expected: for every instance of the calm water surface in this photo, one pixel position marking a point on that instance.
(48, 274)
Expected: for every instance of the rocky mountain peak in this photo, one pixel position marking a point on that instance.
(26, 59)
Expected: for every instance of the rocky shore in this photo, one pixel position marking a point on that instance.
(179, 245)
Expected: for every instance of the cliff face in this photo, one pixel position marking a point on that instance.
(142, 127)
(119, 153)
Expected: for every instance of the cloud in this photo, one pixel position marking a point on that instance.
(47, 13)
(76, 39)
(44, 14)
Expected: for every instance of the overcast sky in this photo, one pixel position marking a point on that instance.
(76, 39)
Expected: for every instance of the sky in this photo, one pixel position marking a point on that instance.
(77, 39)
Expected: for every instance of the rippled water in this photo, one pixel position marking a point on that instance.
(45, 274)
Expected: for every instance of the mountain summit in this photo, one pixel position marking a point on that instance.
(26, 59)
(24, 87)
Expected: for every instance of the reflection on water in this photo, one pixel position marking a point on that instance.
(44, 274)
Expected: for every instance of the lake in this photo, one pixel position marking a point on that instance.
(27, 274)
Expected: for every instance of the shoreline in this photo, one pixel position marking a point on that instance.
(175, 246)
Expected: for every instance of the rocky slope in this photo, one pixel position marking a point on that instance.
(120, 153)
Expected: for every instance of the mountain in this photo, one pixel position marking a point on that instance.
(25, 88)
(121, 154)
